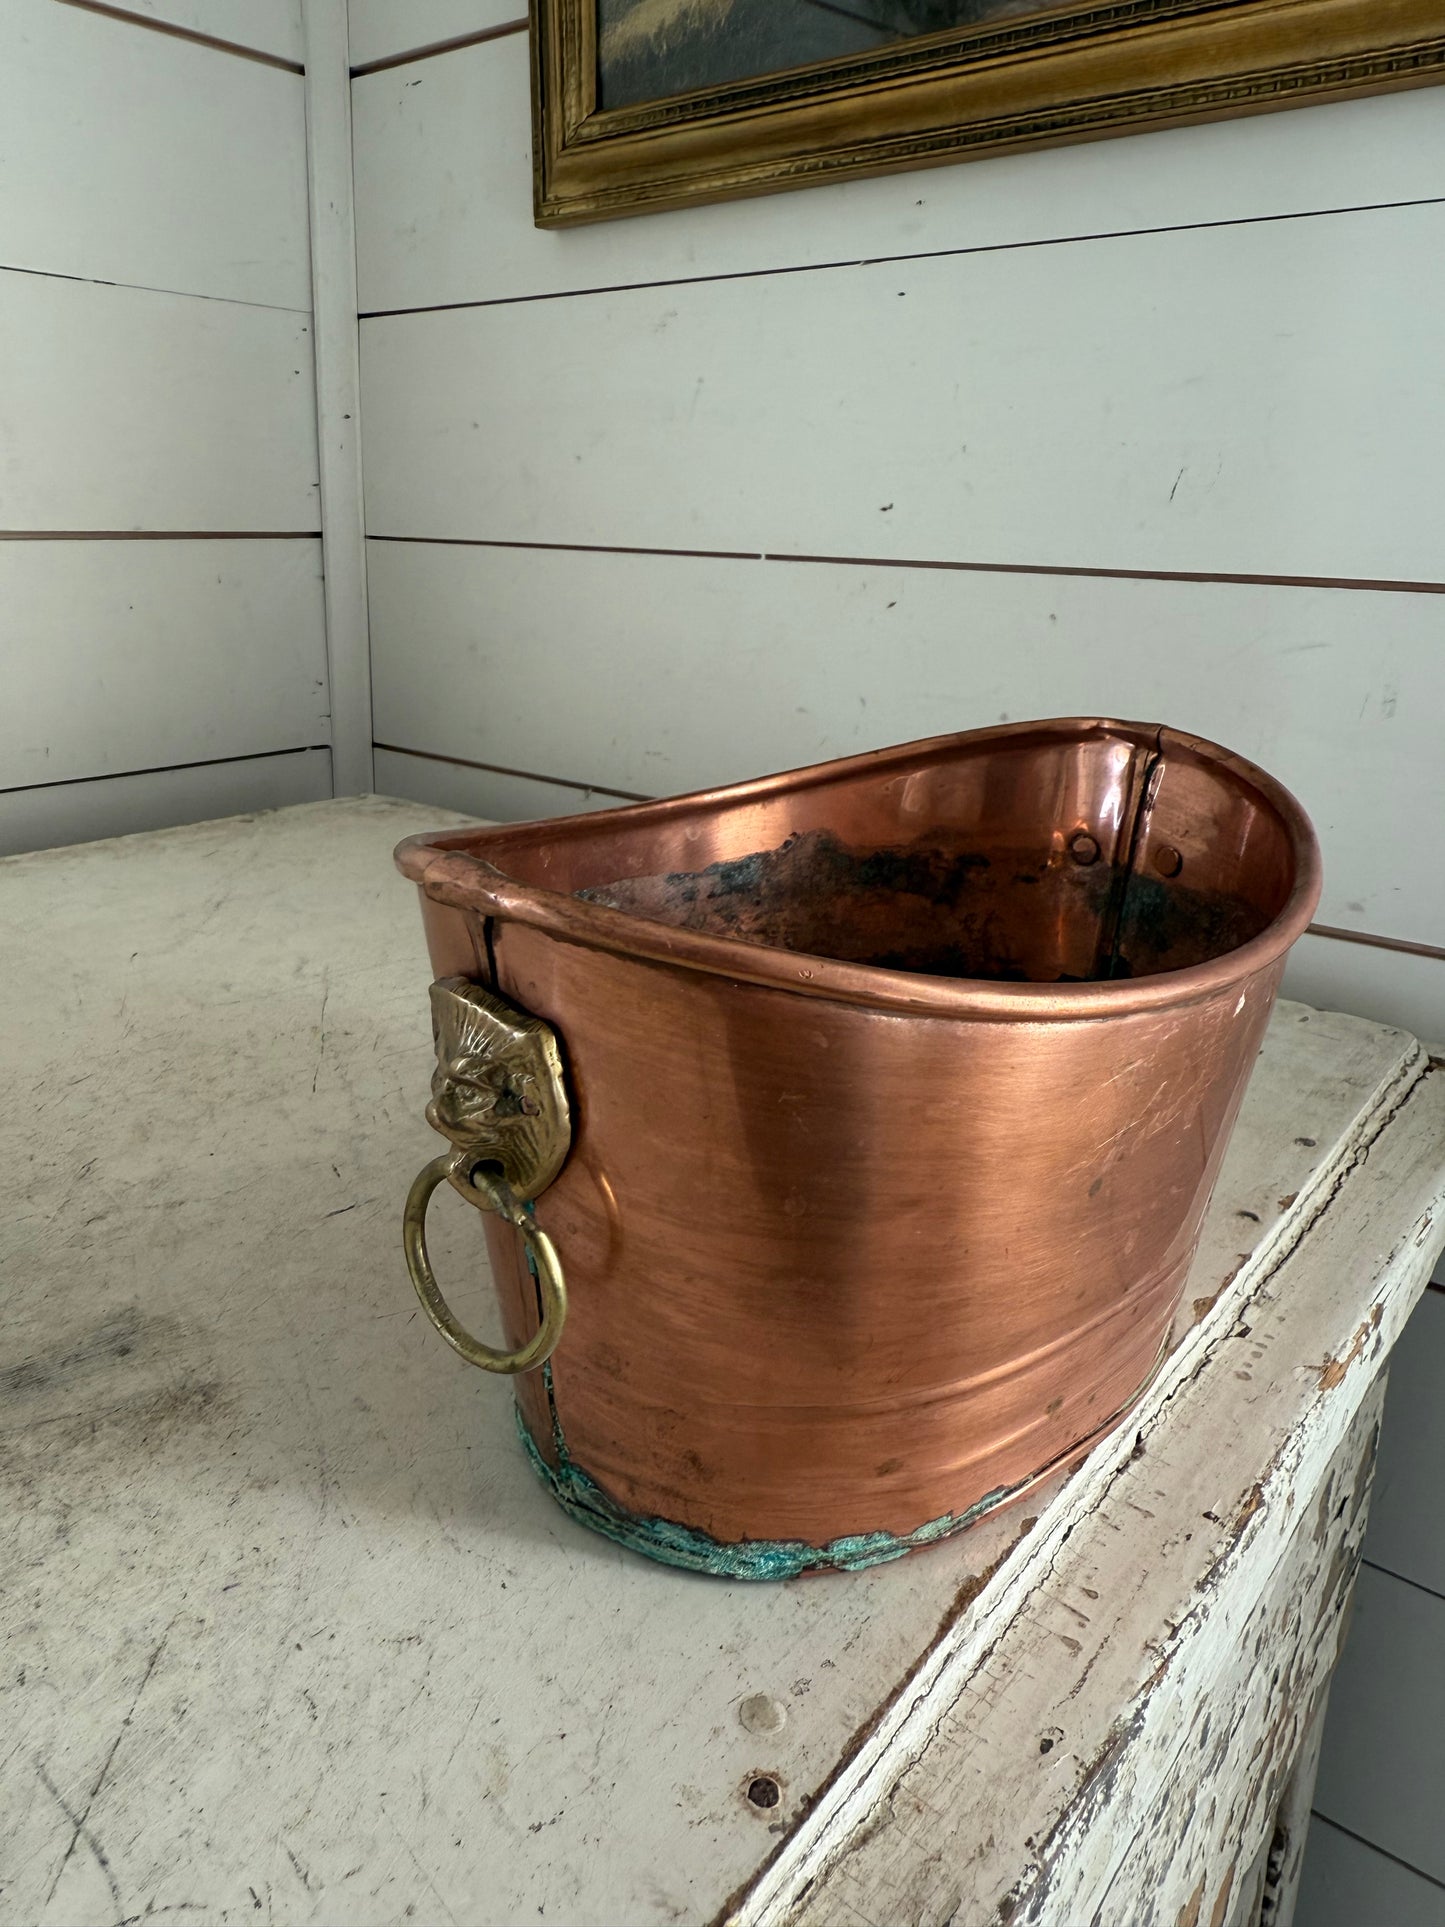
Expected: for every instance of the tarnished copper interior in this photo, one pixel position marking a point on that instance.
(900, 1085)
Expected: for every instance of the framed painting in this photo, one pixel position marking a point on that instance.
(647, 104)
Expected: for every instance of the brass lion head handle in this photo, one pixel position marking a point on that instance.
(497, 1090)
(498, 1095)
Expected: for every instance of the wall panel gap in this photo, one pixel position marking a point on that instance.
(451, 46)
(175, 32)
(887, 260)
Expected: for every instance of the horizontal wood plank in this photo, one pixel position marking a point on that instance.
(381, 29)
(1236, 399)
(1388, 1705)
(1407, 1520)
(1390, 986)
(144, 159)
(1346, 1883)
(499, 796)
(135, 655)
(444, 187)
(153, 411)
(657, 674)
(266, 26)
(42, 819)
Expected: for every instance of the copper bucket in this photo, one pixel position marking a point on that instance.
(889, 1097)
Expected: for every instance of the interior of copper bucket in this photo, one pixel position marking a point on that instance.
(1065, 852)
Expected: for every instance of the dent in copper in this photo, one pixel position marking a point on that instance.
(900, 1085)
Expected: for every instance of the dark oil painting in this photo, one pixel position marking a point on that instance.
(649, 49)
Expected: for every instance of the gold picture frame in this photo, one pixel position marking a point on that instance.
(1075, 72)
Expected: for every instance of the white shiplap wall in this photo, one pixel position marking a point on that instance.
(1375, 1851)
(161, 608)
(1148, 426)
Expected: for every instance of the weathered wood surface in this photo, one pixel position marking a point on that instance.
(293, 1635)
(1197, 1595)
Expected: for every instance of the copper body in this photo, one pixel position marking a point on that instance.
(900, 1087)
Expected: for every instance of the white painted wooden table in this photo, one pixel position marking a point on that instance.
(293, 1635)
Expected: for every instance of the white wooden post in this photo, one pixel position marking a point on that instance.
(334, 329)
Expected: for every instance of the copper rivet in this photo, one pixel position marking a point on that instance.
(1167, 860)
(1083, 848)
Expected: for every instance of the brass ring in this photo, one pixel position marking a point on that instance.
(494, 1196)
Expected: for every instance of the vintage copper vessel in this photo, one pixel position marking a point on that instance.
(870, 1113)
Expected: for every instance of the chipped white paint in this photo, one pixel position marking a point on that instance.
(293, 1635)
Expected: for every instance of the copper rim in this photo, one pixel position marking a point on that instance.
(446, 872)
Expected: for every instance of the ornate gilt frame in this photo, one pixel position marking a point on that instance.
(1104, 67)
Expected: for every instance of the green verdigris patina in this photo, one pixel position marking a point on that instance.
(679, 1545)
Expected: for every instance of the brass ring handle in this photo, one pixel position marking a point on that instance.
(489, 1194)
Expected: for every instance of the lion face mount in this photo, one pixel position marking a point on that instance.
(497, 1091)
